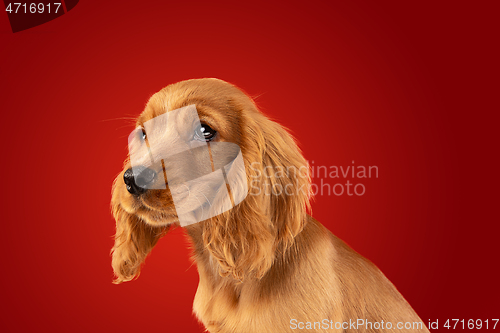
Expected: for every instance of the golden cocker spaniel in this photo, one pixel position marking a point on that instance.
(265, 265)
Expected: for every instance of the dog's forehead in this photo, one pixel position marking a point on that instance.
(216, 111)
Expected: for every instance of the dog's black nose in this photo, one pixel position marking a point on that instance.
(138, 184)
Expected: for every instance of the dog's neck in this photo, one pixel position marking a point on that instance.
(283, 260)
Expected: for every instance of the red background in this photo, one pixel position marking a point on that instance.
(410, 87)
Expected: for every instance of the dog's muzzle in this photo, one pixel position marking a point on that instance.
(205, 178)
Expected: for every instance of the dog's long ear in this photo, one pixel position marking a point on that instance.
(244, 239)
(286, 178)
(134, 240)
(241, 240)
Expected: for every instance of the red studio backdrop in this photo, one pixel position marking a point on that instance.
(409, 87)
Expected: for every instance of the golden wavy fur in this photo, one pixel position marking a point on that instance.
(265, 265)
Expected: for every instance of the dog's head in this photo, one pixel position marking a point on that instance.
(242, 239)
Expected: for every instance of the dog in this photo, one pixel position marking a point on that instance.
(265, 265)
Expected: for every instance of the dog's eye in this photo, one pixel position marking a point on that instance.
(142, 134)
(204, 133)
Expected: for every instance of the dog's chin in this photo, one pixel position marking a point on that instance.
(150, 215)
(157, 218)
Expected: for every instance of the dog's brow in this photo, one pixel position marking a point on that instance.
(208, 120)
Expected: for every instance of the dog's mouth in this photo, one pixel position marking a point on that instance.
(155, 207)
(156, 217)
